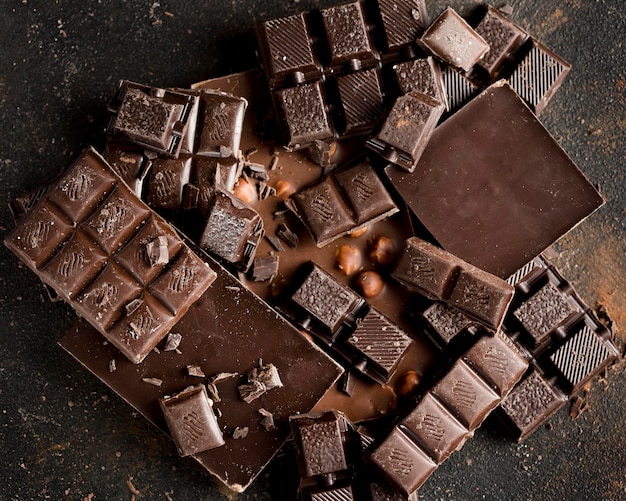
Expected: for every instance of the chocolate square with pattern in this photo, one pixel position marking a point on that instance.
(134, 256)
(104, 299)
(39, 235)
(498, 361)
(447, 322)
(323, 211)
(403, 462)
(436, 430)
(304, 113)
(186, 278)
(530, 404)
(361, 97)
(166, 179)
(116, 220)
(208, 173)
(458, 88)
(363, 189)
(191, 420)
(82, 188)
(466, 394)
(286, 51)
(347, 35)
(128, 162)
(420, 75)
(403, 21)
(77, 263)
(136, 334)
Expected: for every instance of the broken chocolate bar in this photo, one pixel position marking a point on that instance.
(92, 240)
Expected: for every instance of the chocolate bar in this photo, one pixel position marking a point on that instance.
(496, 219)
(217, 335)
(406, 129)
(150, 117)
(453, 41)
(449, 412)
(90, 239)
(435, 273)
(341, 319)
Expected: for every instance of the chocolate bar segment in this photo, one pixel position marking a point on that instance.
(191, 420)
(403, 21)
(420, 75)
(150, 117)
(89, 237)
(496, 219)
(437, 274)
(361, 98)
(452, 40)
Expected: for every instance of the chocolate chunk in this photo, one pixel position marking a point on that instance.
(264, 268)
(165, 182)
(191, 421)
(275, 243)
(286, 235)
(150, 117)
(403, 21)
(447, 322)
(452, 40)
(233, 230)
(493, 218)
(240, 433)
(195, 371)
(129, 162)
(361, 98)
(420, 75)
(72, 240)
(268, 419)
(154, 381)
(406, 129)
(539, 76)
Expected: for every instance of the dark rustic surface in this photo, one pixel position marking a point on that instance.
(64, 435)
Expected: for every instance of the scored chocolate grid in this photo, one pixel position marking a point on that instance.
(581, 355)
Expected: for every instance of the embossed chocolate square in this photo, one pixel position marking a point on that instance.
(191, 420)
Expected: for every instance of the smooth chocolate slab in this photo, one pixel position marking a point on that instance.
(493, 187)
(219, 336)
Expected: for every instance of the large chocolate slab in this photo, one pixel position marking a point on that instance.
(493, 186)
(227, 330)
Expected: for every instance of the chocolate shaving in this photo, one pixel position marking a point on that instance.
(275, 242)
(154, 381)
(223, 376)
(195, 370)
(268, 419)
(578, 407)
(212, 389)
(273, 163)
(240, 432)
(157, 251)
(286, 235)
(112, 366)
(172, 341)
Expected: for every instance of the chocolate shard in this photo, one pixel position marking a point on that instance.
(191, 421)
(286, 235)
(264, 268)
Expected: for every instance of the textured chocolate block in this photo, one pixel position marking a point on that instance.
(452, 40)
(92, 240)
(538, 76)
(445, 321)
(166, 180)
(420, 75)
(191, 420)
(150, 117)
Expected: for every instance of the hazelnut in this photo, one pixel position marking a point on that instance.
(382, 250)
(370, 283)
(244, 190)
(348, 259)
(407, 383)
(284, 189)
(359, 232)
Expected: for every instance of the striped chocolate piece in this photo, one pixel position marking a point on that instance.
(361, 98)
(403, 21)
(459, 89)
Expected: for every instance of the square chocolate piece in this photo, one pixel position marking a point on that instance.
(361, 99)
(403, 21)
(496, 218)
(191, 420)
(420, 75)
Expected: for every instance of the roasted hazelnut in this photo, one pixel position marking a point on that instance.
(359, 232)
(244, 190)
(382, 250)
(407, 383)
(370, 283)
(348, 259)
(284, 189)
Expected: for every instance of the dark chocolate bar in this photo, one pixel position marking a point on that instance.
(435, 273)
(150, 117)
(452, 40)
(494, 218)
(342, 202)
(93, 241)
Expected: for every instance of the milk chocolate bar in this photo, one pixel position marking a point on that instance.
(150, 117)
(452, 40)
(342, 320)
(406, 129)
(437, 274)
(449, 412)
(90, 239)
(496, 219)
(217, 335)
(343, 202)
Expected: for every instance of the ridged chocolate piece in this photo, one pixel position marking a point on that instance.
(458, 88)
(338, 494)
(286, 49)
(88, 238)
(191, 420)
(452, 40)
(504, 38)
(530, 404)
(405, 131)
(539, 76)
(403, 21)
(361, 99)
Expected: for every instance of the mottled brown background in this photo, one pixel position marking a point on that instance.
(64, 435)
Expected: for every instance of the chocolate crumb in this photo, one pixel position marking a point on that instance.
(240, 432)
(112, 365)
(172, 341)
(578, 407)
(133, 490)
(252, 391)
(223, 376)
(156, 350)
(195, 370)
(154, 381)
(286, 235)
(275, 242)
(212, 389)
(268, 419)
